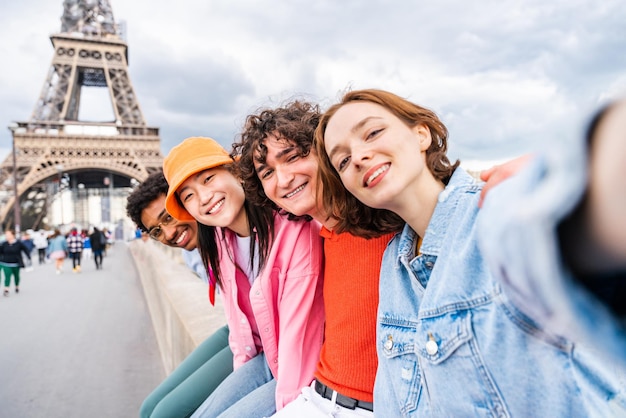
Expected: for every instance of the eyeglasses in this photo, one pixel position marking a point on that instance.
(156, 232)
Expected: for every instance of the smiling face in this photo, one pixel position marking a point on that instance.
(176, 233)
(214, 197)
(380, 159)
(288, 178)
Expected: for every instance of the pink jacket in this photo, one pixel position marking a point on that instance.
(285, 308)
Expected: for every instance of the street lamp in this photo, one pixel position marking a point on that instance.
(59, 168)
(17, 216)
(79, 205)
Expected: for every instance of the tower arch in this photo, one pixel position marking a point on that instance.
(88, 52)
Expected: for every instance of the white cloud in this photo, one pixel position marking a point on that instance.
(502, 75)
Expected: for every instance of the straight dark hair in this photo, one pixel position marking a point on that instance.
(261, 225)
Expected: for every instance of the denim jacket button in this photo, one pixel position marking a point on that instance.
(389, 343)
(432, 348)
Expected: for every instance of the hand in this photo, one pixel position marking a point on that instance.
(497, 174)
(606, 190)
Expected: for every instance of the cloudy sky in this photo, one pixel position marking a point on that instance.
(503, 75)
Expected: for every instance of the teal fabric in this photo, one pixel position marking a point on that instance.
(8, 272)
(187, 387)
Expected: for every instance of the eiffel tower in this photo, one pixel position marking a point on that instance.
(60, 160)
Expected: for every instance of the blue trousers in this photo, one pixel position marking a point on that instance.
(250, 392)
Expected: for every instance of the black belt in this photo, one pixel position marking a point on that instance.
(341, 400)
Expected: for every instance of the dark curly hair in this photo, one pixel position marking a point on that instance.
(293, 123)
(144, 194)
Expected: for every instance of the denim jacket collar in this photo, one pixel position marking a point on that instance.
(459, 183)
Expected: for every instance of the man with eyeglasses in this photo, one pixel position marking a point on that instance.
(146, 207)
(212, 361)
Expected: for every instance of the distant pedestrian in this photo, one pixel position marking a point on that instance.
(27, 240)
(98, 244)
(86, 244)
(11, 260)
(40, 239)
(57, 249)
(75, 247)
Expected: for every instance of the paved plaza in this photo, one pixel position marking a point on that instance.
(77, 344)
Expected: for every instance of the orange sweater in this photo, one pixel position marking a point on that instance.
(348, 359)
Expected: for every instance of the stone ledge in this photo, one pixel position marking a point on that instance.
(178, 301)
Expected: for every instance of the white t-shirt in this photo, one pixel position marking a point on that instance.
(242, 258)
(194, 261)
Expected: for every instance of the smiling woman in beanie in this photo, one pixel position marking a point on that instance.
(268, 270)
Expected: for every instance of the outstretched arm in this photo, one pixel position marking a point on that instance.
(593, 237)
(597, 230)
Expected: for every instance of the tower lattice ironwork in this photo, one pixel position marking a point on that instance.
(88, 52)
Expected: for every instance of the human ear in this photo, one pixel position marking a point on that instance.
(422, 132)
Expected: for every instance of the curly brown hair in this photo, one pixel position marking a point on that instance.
(294, 123)
(354, 216)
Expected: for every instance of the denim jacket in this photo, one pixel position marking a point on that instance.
(518, 231)
(59, 243)
(449, 341)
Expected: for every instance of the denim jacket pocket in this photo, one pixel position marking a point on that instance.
(454, 369)
(438, 338)
(400, 375)
(417, 357)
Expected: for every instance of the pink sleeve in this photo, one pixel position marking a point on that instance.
(300, 315)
